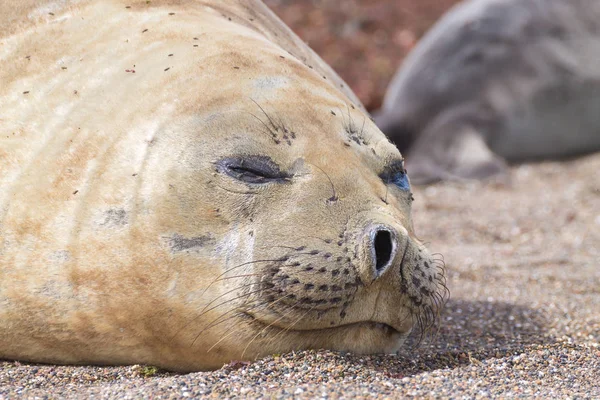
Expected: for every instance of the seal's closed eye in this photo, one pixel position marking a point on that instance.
(396, 175)
(252, 169)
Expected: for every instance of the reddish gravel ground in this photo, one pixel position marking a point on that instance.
(363, 40)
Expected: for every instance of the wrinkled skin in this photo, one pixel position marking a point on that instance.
(227, 200)
(494, 82)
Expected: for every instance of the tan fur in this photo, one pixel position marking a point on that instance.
(121, 239)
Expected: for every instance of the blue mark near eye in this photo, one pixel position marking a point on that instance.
(400, 179)
(395, 174)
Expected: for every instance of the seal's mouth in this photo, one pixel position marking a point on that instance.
(379, 327)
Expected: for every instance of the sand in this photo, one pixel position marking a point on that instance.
(523, 267)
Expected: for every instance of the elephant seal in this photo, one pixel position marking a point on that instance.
(497, 81)
(185, 183)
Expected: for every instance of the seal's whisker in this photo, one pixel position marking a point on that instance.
(210, 324)
(267, 127)
(269, 326)
(219, 320)
(233, 299)
(212, 301)
(233, 316)
(285, 258)
(334, 195)
(266, 115)
(296, 248)
(287, 328)
(237, 276)
(223, 338)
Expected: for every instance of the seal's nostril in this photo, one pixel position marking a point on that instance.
(384, 247)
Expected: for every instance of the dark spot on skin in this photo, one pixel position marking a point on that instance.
(145, 30)
(296, 264)
(313, 252)
(75, 192)
(179, 243)
(300, 248)
(335, 272)
(343, 314)
(338, 259)
(326, 255)
(426, 264)
(195, 45)
(430, 279)
(346, 271)
(236, 67)
(323, 269)
(26, 92)
(115, 217)
(340, 243)
(282, 57)
(416, 281)
(168, 68)
(323, 287)
(335, 300)
(170, 55)
(336, 288)
(295, 282)
(309, 286)
(332, 113)
(171, 13)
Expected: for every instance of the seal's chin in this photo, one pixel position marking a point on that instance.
(363, 337)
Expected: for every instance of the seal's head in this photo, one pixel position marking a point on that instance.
(310, 213)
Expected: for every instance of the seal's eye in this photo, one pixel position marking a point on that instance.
(252, 169)
(396, 174)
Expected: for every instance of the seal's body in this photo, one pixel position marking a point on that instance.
(498, 80)
(186, 183)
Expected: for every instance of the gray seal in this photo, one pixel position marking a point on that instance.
(496, 82)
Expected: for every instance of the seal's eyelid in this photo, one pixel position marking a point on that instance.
(252, 169)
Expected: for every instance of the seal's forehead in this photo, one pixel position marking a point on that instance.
(290, 126)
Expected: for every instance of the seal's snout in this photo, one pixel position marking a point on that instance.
(382, 246)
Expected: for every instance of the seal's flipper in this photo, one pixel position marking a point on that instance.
(459, 153)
